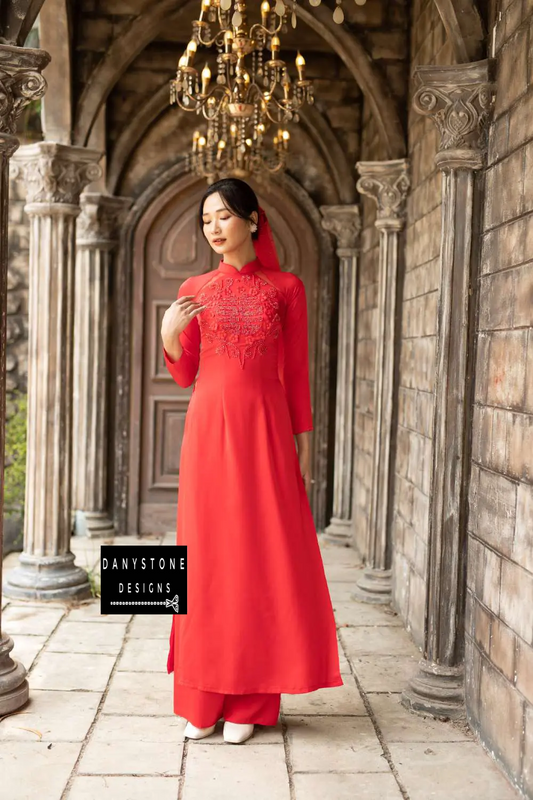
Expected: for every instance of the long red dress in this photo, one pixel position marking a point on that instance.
(259, 614)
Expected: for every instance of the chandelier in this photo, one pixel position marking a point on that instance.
(232, 152)
(240, 89)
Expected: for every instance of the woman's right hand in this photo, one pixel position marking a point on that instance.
(175, 320)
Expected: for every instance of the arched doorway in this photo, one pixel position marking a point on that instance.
(167, 249)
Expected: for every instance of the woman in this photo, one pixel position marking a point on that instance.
(259, 617)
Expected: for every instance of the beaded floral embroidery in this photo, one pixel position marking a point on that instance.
(242, 314)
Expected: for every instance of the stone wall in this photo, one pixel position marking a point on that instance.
(499, 639)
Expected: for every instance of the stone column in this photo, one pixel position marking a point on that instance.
(345, 224)
(96, 237)
(387, 183)
(458, 99)
(55, 175)
(20, 83)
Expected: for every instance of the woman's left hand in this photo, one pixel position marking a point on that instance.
(304, 458)
(306, 475)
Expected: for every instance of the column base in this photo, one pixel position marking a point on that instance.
(14, 690)
(339, 531)
(94, 525)
(47, 578)
(374, 586)
(436, 690)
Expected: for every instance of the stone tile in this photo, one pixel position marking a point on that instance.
(344, 744)
(400, 725)
(377, 640)
(123, 788)
(236, 771)
(68, 671)
(341, 592)
(384, 673)
(458, 770)
(38, 620)
(90, 612)
(354, 613)
(134, 745)
(345, 786)
(345, 573)
(87, 637)
(146, 626)
(24, 765)
(345, 668)
(331, 700)
(145, 693)
(333, 554)
(58, 716)
(144, 655)
(27, 648)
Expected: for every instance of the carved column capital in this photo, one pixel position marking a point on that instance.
(387, 182)
(459, 100)
(56, 173)
(344, 222)
(20, 82)
(100, 219)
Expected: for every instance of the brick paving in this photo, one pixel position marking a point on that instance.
(100, 723)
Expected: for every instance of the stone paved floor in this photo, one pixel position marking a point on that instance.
(100, 725)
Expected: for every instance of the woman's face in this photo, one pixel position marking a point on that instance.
(224, 231)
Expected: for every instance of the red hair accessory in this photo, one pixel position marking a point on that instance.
(265, 249)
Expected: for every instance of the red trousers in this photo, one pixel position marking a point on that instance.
(204, 709)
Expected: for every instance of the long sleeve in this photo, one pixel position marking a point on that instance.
(296, 359)
(185, 369)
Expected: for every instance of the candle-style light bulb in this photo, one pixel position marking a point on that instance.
(196, 136)
(184, 60)
(286, 136)
(300, 66)
(265, 11)
(228, 41)
(201, 142)
(204, 9)
(274, 46)
(191, 51)
(206, 77)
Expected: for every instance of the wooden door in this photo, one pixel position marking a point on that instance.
(172, 249)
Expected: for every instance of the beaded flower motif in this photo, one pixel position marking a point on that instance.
(242, 315)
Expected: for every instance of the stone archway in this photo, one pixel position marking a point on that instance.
(319, 130)
(145, 27)
(464, 27)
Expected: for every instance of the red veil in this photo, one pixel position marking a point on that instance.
(265, 249)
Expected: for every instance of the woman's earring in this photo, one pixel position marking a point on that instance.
(253, 227)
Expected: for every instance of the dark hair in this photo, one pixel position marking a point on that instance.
(237, 196)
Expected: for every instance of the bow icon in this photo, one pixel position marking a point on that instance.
(173, 603)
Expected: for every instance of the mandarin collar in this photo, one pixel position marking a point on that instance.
(247, 269)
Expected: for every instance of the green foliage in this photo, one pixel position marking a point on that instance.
(94, 580)
(15, 457)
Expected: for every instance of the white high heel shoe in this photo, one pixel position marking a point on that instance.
(192, 732)
(236, 733)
